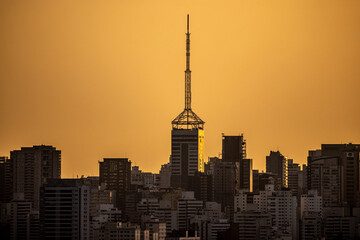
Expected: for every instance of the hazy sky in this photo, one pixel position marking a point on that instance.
(106, 78)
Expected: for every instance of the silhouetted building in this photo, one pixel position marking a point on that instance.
(293, 176)
(188, 207)
(253, 225)
(65, 209)
(32, 167)
(6, 180)
(324, 176)
(349, 160)
(310, 226)
(226, 182)
(119, 230)
(187, 135)
(116, 174)
(276, 163)
(202, 186)
(24, 223)
(234, 150)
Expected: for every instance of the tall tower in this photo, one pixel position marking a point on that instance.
(187, 135)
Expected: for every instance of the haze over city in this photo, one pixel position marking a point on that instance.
(106, 79)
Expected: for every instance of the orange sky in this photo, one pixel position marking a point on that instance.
(105, 78)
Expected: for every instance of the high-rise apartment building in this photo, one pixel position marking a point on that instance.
(334, 172)
(282, 206)
(116, 174)
(226, 182)
(32, 167)
(276, 163)
(325, 176)
(234, 150)
(293, 176)
(187, 135)
(188, 206)
(6, 180)
(65, 209)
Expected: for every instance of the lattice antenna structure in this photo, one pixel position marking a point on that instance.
(187, 119)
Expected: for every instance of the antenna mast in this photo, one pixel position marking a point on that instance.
(187, 71)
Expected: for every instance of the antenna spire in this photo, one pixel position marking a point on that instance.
(188, 119)
(187, 71)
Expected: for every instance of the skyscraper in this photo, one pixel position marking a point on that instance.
(116, 173)
(32, 167)
(334, 172)
(234, 150)
(65, 209)
(276, 163)
(187, 135)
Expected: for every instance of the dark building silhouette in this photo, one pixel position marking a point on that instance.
(32, 167)
(276, 163)
(202, 186)
(334, 172)
(293, 176)
(187, 135)
(6, 180)
(65, 209)
(226, 183)
(116, 173)
(234, 150)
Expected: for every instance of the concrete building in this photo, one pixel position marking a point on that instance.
(253, 225)
(276, 163)
(325, 175)
(310, 226)
(6, 180)
(32, 167)
(116, 174)
(234, 150)
(65, 209)
(165, 176)
(187, 155)
(119, 230)
(226, 182)
(293, 177)
(282, 206)
(348, 154)
(260, 199)
(148, 206)
(24, 223)
(311, 202)
(187, 135)
(188, 207)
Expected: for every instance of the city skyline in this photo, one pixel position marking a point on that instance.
(285, 76)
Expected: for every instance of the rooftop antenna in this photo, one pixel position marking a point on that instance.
(188, 119)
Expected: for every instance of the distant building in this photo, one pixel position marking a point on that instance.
(324, 176)
(226, 182)
(116, 174)
(253, 225)
(282, 206)
(293, 176)
(188, 207)
(65, 209)
(119, 230)
(24, 223)
(32, 167)
(6, 180)
(165, 176)
(187, 135)
(187, 155)
(234, 150)
(310, 226)
(311, 202)
(276, 163)
(202, 186)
